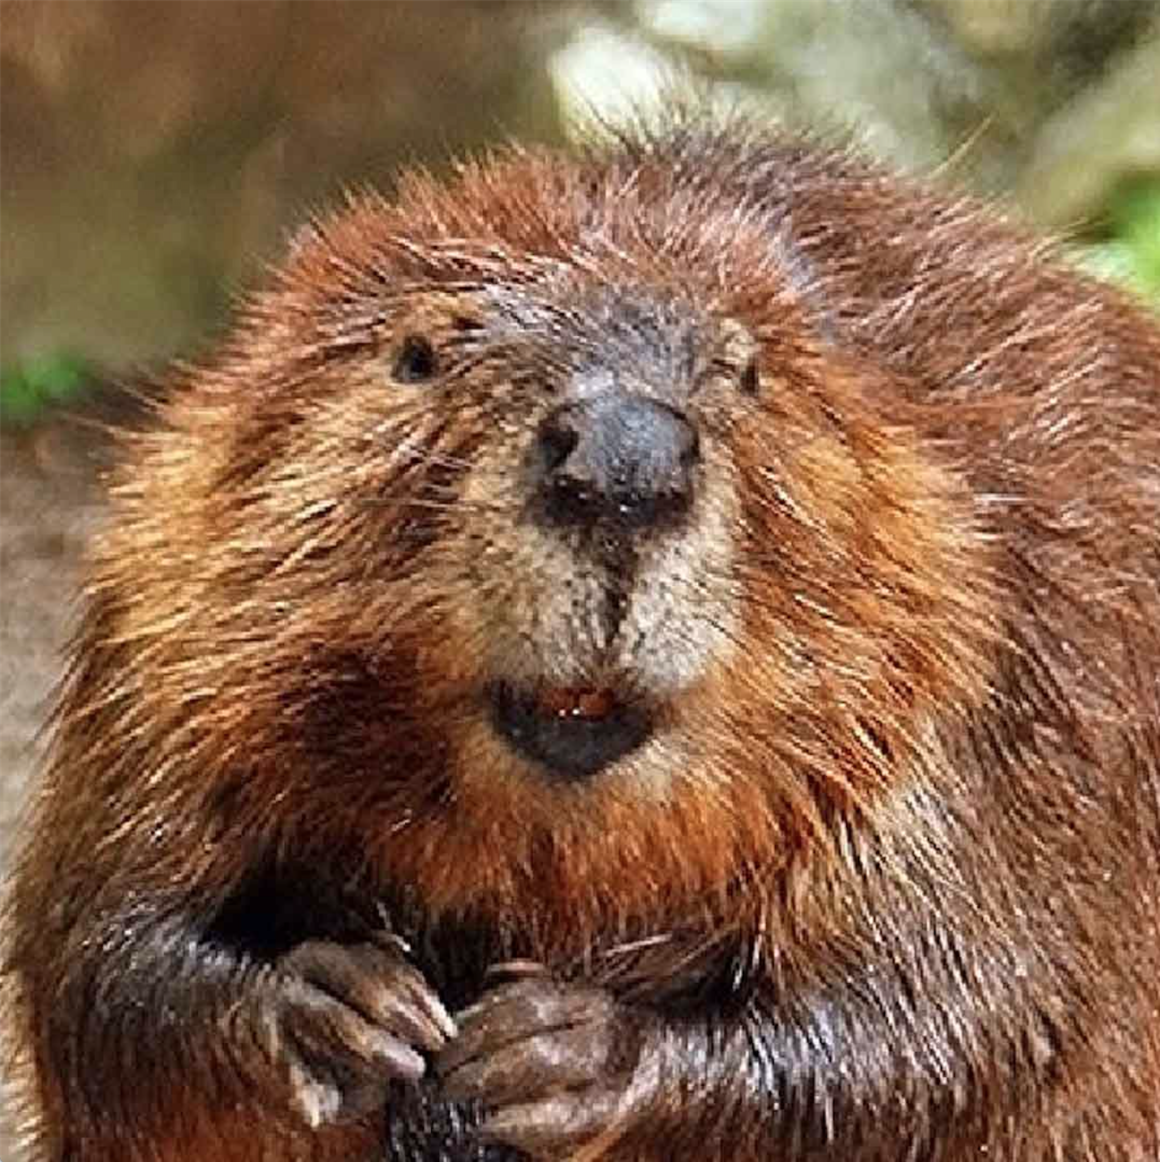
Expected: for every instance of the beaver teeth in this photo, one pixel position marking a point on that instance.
(572, 732)
(576, 702)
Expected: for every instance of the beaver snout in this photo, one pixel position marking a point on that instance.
(618, 459)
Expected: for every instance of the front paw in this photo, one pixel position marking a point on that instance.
(556, 1065)
(342, 1021)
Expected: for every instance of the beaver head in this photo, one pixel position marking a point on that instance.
(531, 538)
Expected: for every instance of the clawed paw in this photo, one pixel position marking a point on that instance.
(343, 1021)
(553, 1063)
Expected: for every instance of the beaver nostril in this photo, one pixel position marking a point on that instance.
(556, 443)
(690, 454)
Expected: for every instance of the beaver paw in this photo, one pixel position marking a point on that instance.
(554, 1064)
(344, 1020)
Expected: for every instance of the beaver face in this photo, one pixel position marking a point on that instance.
(596, 565)
(547, 511)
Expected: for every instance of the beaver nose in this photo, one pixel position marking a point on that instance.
(618, 459)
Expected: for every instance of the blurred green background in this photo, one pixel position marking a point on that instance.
(153, 155)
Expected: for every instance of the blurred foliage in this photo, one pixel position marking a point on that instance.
(30, 388)
(1131, 252)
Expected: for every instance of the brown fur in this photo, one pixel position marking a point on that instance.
(883, 883)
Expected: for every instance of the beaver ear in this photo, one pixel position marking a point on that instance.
(416, 361)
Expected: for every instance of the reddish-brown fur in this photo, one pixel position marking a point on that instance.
(884, 881)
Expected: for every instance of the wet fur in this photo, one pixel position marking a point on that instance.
(884, 883)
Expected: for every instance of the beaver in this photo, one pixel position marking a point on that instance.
(647, 651)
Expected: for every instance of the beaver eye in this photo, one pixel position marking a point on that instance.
(416, 362)
(749, 380)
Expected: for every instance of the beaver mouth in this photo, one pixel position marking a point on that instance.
(573, 731)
